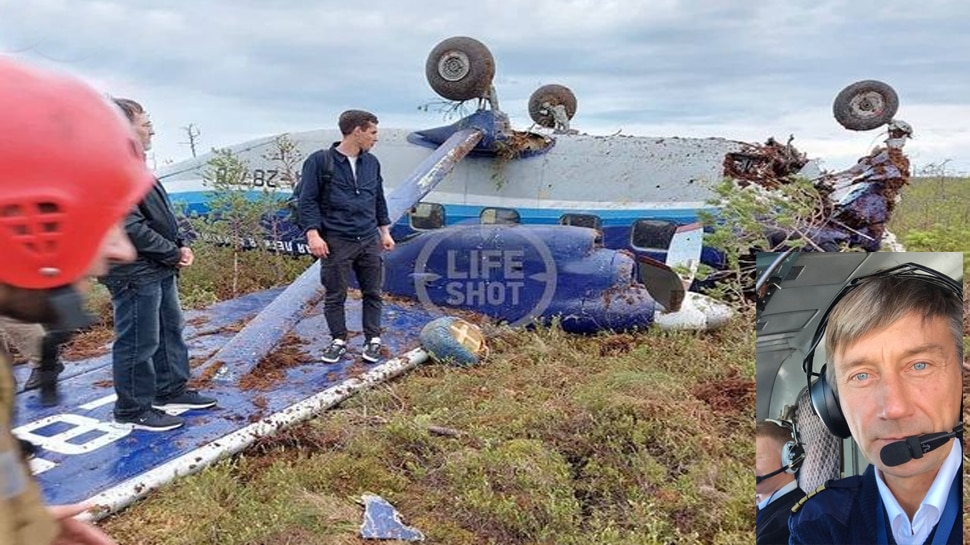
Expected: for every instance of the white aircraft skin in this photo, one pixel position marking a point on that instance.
(622, 178)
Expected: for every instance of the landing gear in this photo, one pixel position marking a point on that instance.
(553, 106)
(460, 68)
(865, 105)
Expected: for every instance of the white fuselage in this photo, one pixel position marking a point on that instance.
(619, 177)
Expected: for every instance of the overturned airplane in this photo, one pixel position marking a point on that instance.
(634, 192)
(597, 232)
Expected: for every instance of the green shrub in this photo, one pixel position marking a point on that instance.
(232, 256)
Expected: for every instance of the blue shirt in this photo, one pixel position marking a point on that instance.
(792, 485)
(845, 511)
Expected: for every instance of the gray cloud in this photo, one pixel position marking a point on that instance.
(248, 68)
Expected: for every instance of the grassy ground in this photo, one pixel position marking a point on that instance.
(934, 215)
(620, 439)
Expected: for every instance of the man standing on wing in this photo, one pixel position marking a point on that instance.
(149, 357)
(347, 225)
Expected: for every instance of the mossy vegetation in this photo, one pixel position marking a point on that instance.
(555, 439)
(934, 214)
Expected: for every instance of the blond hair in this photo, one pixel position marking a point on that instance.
(880, 301)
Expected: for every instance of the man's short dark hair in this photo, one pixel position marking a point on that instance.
(351, 119)
(130, 107)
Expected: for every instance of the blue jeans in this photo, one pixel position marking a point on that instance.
(149, 358)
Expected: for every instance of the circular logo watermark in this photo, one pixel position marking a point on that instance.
(496, 269)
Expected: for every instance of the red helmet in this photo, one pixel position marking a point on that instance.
(70, 169)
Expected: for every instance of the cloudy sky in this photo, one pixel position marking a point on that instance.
(240, 69)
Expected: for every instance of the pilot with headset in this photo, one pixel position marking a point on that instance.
(892, 379)
(778, 455)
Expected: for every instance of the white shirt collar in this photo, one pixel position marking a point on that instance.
(777, 494)
(930, 509)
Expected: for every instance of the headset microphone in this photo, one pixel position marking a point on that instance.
(915, 446)
(792, 452)
(759, 478)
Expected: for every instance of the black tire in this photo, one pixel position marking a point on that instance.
(460, 68)
(555, 95)
(865, 105)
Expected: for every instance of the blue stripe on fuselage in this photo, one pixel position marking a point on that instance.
(196, 202)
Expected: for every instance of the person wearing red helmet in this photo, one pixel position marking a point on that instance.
(150, 359)
(71, 171)
(27, 339)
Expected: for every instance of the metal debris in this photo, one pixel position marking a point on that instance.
(855, 204)
(862, 198)
(382, 521)
(769, 165)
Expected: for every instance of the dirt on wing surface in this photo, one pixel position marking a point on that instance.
(845, 208)
(89, 343)
(271, 368)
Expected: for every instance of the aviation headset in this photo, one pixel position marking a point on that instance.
(792, 452)
(824, 400)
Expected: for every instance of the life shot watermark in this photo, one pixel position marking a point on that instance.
(499, 269)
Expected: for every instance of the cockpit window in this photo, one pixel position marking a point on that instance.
(652, 234)
(492, 216)
(427, 215)
(581, 220)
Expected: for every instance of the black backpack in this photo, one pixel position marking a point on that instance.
(293, 203)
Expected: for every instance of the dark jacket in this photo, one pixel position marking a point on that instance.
(772, 521)
(350, 207)
(844, 511)
(154, 231)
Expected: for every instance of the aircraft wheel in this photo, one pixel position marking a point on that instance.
(460, 68)
(865, 105)
(453, 340)
(554, 95)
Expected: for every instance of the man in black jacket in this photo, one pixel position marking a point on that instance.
(776, 494)
(149, 357)
(344, 215)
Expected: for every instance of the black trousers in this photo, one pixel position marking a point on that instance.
(363, 257)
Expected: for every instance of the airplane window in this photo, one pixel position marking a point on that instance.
(427, 215)
(490, 216)
(581, 220)
(652, 234)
